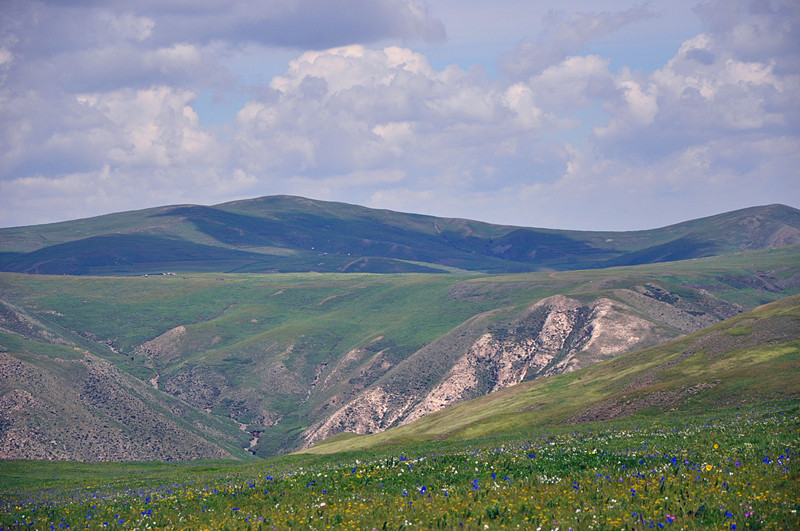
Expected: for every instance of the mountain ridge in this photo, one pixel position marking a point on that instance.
(294, 234)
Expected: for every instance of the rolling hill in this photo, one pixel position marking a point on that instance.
(216, 364)
(293, 234)
(741, 363)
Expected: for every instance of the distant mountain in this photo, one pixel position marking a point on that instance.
(748, 360)
(213, 365)
(293, 234)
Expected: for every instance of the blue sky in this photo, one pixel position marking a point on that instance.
(573, 114)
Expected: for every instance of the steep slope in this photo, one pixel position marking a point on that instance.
(288, 234)
(749, 359)
(59, 401)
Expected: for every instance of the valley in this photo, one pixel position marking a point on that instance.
(297, 358)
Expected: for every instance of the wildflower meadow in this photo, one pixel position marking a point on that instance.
(736, 471)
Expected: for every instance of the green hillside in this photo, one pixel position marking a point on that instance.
(292, 234)
(745, 361)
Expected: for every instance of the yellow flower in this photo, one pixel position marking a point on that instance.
(709, 467)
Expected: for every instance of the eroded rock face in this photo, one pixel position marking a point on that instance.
(556, 335)
(373, 411)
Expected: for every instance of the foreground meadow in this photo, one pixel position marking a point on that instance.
(737, 470)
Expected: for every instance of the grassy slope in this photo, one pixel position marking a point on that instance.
(749, 359)
(714, 463)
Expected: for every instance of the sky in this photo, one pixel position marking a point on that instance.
(575, 114)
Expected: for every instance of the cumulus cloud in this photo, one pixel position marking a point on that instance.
(362, 110)
(98, 97)
(710, 89)
(154, 127)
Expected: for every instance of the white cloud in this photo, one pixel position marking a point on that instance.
(574, 82)
(705, 92)
(176, 57)
(154, 127)
(349, 66)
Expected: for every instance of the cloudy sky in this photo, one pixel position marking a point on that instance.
(576, 114)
